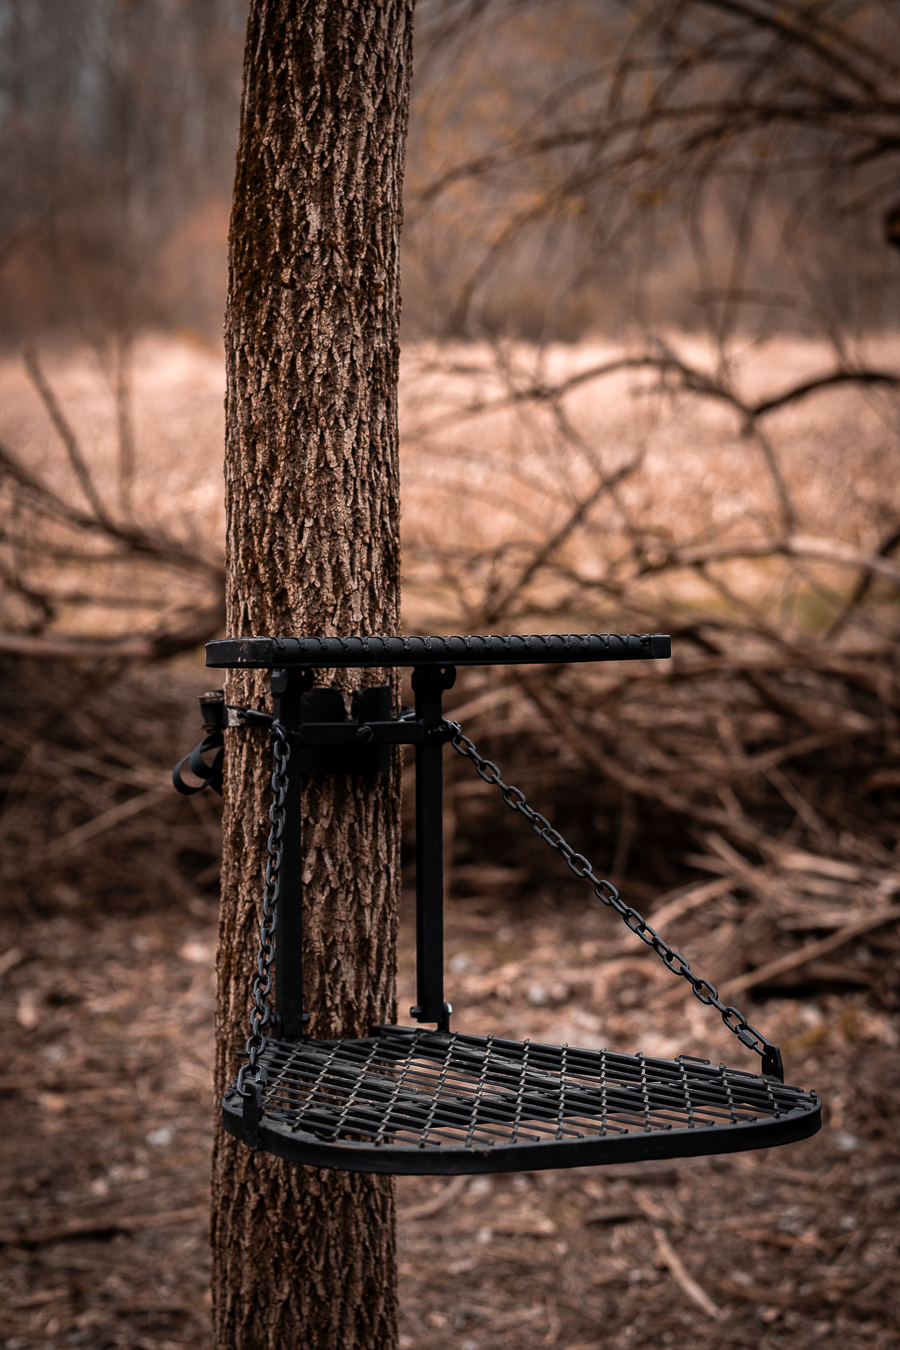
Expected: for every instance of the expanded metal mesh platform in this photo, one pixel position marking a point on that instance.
(411, 1100)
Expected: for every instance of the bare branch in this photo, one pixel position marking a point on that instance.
(124, 423)
(153, 647)
(832, 380)
(540, 557)
(692, 379)
(807, 31)
(811, 951)
(66, 435)
(157, 546)
(821, 550)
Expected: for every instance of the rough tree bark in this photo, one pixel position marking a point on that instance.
(303, 1257)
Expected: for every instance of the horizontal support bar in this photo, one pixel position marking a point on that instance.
(265, 653)
(348, 733)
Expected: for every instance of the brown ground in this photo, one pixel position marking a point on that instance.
(107, 1126)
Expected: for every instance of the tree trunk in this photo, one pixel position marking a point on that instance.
(305, 1258)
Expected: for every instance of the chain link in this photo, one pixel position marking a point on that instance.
(707, 993)
(262, 984)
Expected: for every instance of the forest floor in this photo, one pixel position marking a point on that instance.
(107, 1124)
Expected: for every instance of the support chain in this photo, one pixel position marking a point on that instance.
(262, 984)
(707, 993)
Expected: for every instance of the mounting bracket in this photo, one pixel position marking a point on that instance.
(326, 741)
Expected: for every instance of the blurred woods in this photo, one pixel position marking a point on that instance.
(650, 383)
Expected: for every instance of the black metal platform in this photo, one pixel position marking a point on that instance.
(415, 1101)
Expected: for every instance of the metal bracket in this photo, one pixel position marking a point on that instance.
(327, 741)
(252, 1112)
(333, 743)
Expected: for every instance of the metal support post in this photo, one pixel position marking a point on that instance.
(428, 686)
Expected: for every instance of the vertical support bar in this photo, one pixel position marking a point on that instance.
(428, 685)
(288, 688)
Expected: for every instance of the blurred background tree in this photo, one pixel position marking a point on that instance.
(683, 162)
(117, 143)
(576, 166)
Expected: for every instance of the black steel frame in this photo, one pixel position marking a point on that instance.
(329, 742)
(419, 1101)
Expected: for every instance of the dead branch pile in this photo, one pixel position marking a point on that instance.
(100, 573)
(766, 753)
(744, 792)
(90, 566)
(89, 816)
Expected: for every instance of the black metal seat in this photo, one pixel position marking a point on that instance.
(420, 1100)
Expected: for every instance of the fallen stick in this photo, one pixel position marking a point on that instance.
(127, 649)
(612, 1214)
(782, 964)
(436, 1203)
(685, 1282)
(10, 959)
(102, 1228)
(685, 903)
(106, 821)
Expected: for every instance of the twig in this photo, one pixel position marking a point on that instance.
(685, 1282)
(610, 766)
(157, 546)
(11, 958)
(683, 904)
(124, 423)
(66, 435)
(91, 829)
(795, 546)
(782, 964)
(427, 1208)
(102, 1228)
(150, 648)
(606, 484)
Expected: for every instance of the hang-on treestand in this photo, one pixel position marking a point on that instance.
(421, 1100)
